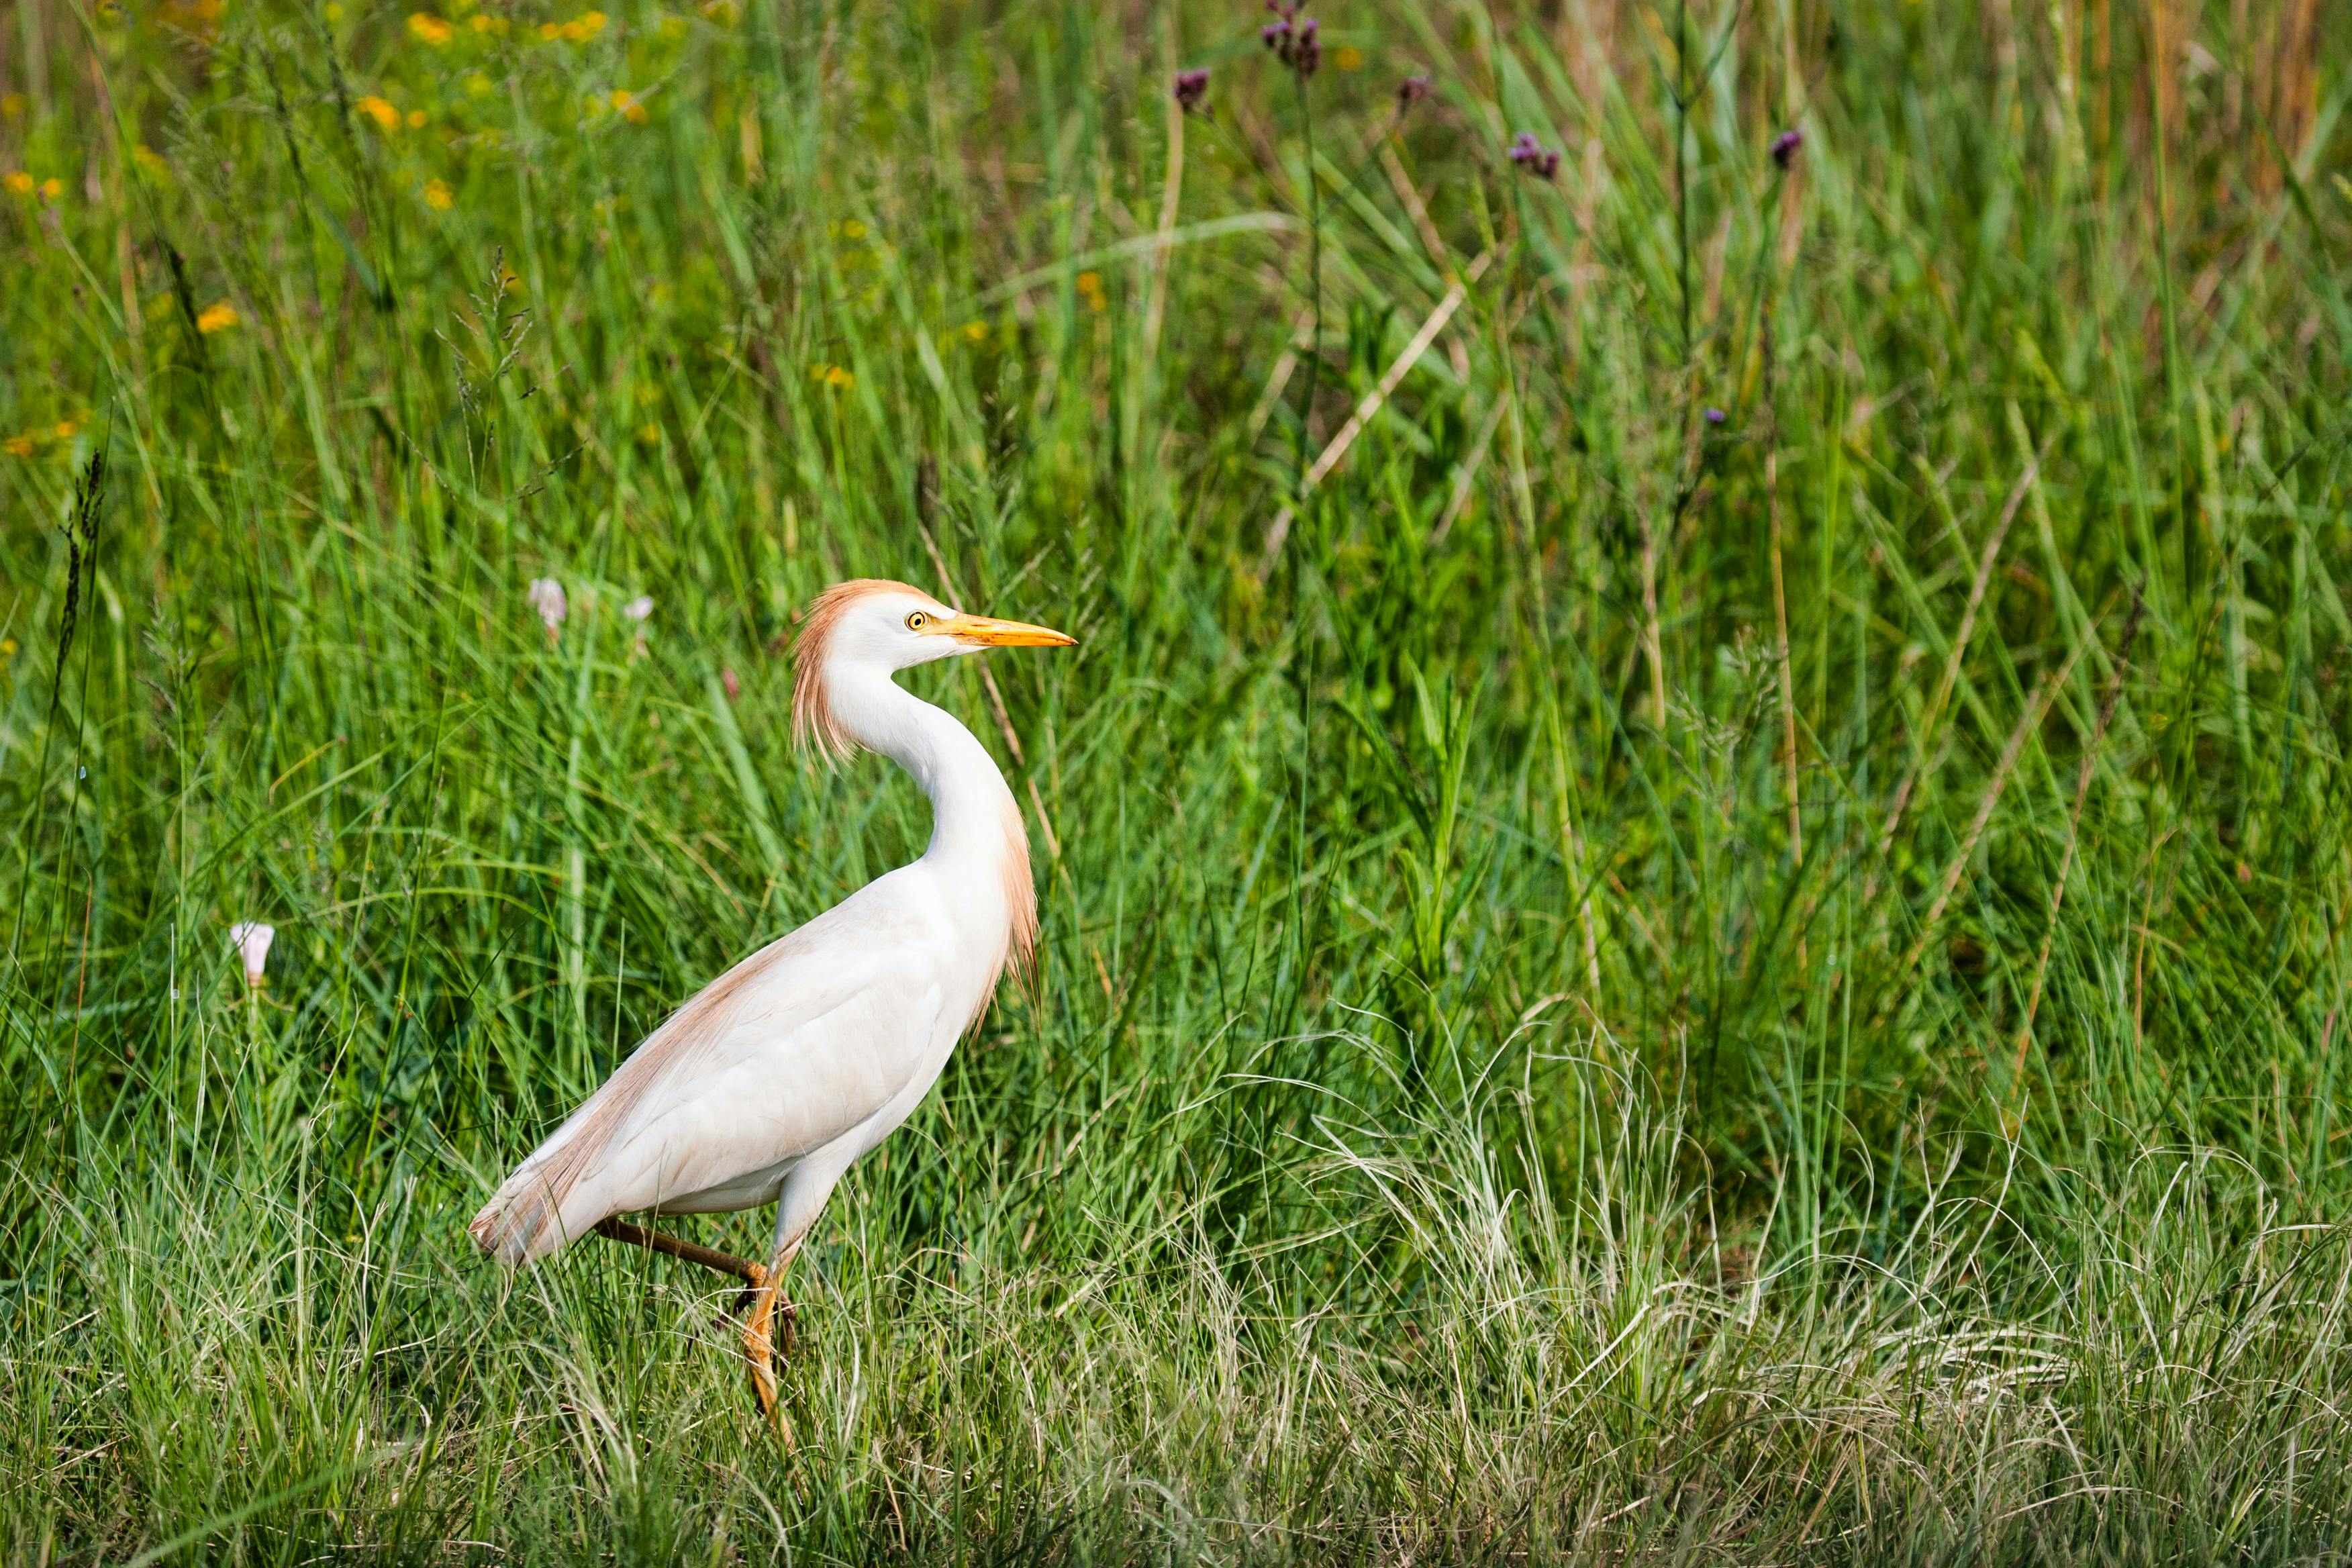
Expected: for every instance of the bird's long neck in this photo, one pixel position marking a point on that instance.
(969, 797)
(976, 828)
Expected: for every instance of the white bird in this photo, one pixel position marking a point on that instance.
(769, 1083)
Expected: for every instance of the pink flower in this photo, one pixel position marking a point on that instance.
(547, 598)
(252, 940)
(734, 687)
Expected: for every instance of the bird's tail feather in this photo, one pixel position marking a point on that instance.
(523, 1220)
(551, 1197)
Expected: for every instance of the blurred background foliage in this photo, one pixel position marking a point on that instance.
(1694, 868)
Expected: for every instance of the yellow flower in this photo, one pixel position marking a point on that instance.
(334, 11)
(7, 647)
(415, 118)
(376, 109)
(630, 109)
(549, 32)
(852, 229)
(64, 429)
(18, 180)
(832, 376)
(429, 28)
(218, 317)
(194, 15)
(974, 332)
(586, 26)
(437, 196)
(1090, 285)
(147, 158)
(18, 445)
(1348, 57)
(52, 187)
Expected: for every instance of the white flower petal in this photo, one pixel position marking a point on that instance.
(252, 940)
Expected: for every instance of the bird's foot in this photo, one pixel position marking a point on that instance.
(743, 1298)
(766, 1342)
(769, 1330)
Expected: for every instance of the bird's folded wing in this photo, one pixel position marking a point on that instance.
(781, 1054)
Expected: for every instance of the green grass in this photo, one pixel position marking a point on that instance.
(1636, 988)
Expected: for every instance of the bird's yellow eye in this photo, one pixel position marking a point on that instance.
(917, 621)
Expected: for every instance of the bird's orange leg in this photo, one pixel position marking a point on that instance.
(772, 1318)
(711, 1258)
(759, 1339)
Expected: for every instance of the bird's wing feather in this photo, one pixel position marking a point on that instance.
(795, 1096)
(786, 1051)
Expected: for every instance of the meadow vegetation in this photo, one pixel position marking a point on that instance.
(1693, 870)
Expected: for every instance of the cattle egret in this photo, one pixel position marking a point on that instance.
(767, 1085)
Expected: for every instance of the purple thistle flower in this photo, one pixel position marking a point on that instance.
(1411, 91)
(1192, 87)
(1785, 145)
(1292, 37)
(1716, 415)
(1533, 156)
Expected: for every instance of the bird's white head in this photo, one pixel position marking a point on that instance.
(875, 627)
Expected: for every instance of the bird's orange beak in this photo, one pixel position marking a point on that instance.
(980, 631)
